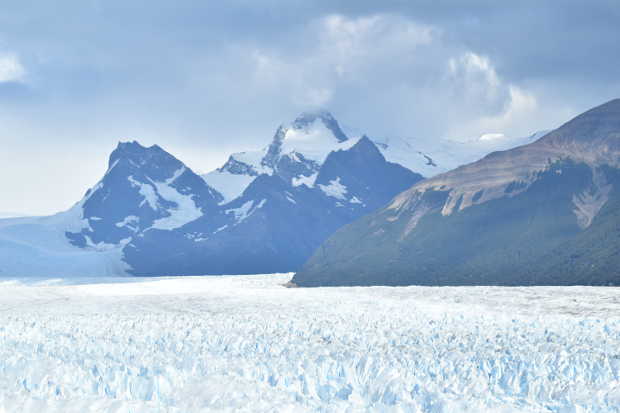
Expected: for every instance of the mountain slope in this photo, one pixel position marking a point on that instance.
(543, 213)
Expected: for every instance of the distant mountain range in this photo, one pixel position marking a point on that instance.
(544, 213)
(261, 212)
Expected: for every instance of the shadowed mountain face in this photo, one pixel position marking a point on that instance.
(543, 213)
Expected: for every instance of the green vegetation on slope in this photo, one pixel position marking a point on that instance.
(529, 238)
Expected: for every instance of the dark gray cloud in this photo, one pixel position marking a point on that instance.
(206, 78)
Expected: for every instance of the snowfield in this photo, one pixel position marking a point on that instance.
(245, 343)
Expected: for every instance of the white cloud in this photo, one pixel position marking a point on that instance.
(475, 79)
(521, 106)
(339, 51)
(348, 42)
(11, 70)
(317, 97)
(501, 105)
(420, 84)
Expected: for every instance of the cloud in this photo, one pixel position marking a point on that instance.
(476, 79)
(346, 43)
(11, 70)
(336, 52)
(404, 76)
(203, 79)
(495, 105)
(520, 110)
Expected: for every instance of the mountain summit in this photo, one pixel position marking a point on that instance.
(307, 119)
(543, 213)
(296, 153)
(599, 124)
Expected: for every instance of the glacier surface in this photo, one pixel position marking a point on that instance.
(246, 343)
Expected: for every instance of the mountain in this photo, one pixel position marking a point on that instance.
(295, 154)
(298, 150)
(277, 222)
(265, 211)
(143, 190)
(539, 214)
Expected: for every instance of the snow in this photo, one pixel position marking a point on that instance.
(186, 210)
(335, 189)
(245, 343)
(10, 215)
(230, 186)
(245, 210)
(314, 142)
(129, 222)
(147, 191)
(37, 246)
(33, 246)
(261, 203)
(253, 158)
(446, 154)
(304, 180)
(242, 212)
(491, 136)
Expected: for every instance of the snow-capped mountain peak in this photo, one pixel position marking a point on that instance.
(296, 152)
(153, 162)
(311, 136)
(307, 119)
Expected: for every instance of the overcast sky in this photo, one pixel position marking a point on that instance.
(206, 78)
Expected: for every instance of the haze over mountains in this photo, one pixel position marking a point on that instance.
(543, 213)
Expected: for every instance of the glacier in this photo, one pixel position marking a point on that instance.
(247, 343)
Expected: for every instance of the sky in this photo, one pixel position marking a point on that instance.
(203, 79)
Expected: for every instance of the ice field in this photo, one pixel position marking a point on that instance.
(245, 343)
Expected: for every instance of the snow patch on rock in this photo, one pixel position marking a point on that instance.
(147, 191)
(335, 189)
(186, 210)
(129, 222)
(245, 210)
(229, 185)
(304, 180)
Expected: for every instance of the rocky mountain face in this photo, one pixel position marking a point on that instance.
(542, 213)
(143, 189)
(264, 211)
